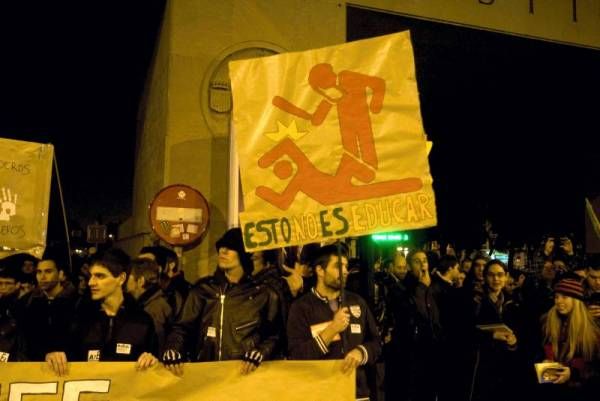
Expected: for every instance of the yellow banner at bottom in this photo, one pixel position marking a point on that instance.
(210, 381)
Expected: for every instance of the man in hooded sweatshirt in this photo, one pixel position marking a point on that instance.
(233, 316)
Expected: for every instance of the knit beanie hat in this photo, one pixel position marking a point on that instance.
(232, 239)
(570, 287)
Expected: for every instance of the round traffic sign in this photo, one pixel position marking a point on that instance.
(179, 215)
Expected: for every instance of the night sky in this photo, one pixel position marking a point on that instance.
(72, 74)
(514, 121)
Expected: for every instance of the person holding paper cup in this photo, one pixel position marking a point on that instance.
(572, 338)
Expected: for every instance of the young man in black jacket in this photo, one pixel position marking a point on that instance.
(232, 316)
(142, 284)
(112, 327)
(12, 346)
(171, 277)
(46, 312)
(412, 368)
(323, 326)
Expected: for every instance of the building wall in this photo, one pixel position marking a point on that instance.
(185, 134)
(148, 176)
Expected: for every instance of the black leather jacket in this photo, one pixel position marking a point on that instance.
(123, 337)
(53, 317)
(11, 345)
(222, 321)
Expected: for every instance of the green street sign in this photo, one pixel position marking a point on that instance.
(390, 237)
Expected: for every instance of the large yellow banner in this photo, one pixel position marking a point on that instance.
(25, 173)
(331, 143)
(211, 381)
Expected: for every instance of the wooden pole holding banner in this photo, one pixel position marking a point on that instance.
(64, 213)
(179, 252)
(234, 181)
(338, 245)
(341, 270)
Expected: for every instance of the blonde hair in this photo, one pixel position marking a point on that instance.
(582, 335)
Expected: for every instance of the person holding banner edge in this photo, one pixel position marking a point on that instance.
(233, 316)
(318, 322)
(116, 329)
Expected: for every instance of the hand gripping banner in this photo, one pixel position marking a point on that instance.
(331, 143)
(25, 177)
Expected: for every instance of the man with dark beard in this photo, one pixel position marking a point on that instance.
(320, 326)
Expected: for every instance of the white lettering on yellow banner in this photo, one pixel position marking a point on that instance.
(214, 381)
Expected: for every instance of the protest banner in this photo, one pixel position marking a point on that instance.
(25, 174)
(208, 381)
(331, 143)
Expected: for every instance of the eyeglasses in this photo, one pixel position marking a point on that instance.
(499, 275)
(7, 283)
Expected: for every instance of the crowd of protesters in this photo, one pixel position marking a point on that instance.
(432, 326)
